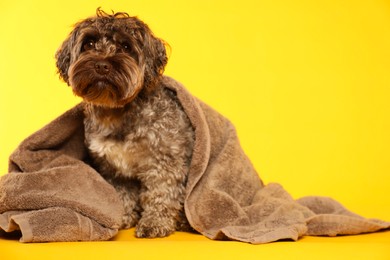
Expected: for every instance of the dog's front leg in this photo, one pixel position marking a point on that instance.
(161, 199)
(128, 191)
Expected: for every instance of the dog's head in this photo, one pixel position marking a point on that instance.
(109, 59)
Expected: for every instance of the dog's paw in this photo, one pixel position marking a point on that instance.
(152, 229)
(129, 220)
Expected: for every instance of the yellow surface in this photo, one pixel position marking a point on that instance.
(190, 246)
(307, 84)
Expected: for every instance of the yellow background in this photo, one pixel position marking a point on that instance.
(305, 82)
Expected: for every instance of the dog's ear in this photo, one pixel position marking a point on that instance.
(63, 59)
(155, 56)
(159, 55)
(63, 55)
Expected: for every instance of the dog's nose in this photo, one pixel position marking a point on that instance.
(102, 67)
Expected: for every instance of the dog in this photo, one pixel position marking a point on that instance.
(138, 136)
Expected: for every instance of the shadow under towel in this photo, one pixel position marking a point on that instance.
(52, 194)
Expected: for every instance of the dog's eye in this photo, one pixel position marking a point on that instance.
(126, 46)
(89, 45)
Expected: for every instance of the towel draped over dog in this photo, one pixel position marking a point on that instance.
(52, 194)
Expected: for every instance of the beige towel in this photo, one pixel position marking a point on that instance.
(225, 198)
(51, 194)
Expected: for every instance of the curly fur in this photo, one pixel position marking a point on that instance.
(137, 133)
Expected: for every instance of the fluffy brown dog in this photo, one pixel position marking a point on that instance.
(137, 133)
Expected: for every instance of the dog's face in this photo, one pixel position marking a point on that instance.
(109, 59)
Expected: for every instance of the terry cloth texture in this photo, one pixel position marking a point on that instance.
(52, 194)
